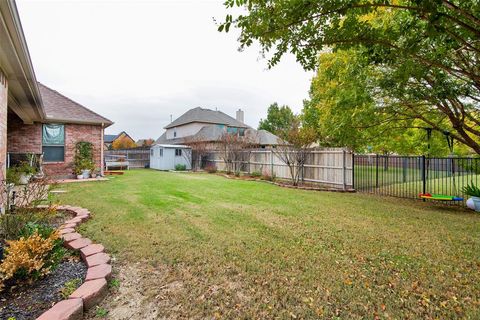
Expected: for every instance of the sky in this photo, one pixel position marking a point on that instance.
(140, 62)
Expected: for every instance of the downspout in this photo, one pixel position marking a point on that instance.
(101, 149)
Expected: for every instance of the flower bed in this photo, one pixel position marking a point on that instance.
(79, 278)
(99, 270)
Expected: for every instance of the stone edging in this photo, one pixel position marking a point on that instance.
(284, 185)
(95, 288)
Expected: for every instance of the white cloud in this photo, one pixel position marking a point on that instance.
(137, 62)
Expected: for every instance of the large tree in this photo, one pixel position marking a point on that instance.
(278, 118)
(426, 52)
(343, 111)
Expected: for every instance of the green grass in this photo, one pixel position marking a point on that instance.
(243, 249)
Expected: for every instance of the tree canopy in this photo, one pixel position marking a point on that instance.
(425, 53)
(278, 119)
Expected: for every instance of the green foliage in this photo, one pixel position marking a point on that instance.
(471, 190)
(180, 167)
(256, 174)
(83, 159)
(423, 54)
(343, 112)
(101, 312)
(14, 173)
(114, 283)
(69, 287)
(278, 118)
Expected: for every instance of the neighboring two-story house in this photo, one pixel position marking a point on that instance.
(200, 124)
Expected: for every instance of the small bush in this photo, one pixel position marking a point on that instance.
(180, 167)
(237, 173)
(255, 174)
(31, 256)
(69, 287)
(211, 168)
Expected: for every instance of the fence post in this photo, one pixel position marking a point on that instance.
(353, 170)
(376, 171)
(271, 163)
(424, 176)
(344, 170)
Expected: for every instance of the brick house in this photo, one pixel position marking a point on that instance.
(33, 117)
(71, 120)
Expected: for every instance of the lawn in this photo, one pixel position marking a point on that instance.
(220, 248)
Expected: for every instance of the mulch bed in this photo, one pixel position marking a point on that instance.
(287, 184)
(25, 302)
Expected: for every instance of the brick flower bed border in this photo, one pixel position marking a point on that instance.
(94, 289)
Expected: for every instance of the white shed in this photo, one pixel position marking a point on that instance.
(167, 156)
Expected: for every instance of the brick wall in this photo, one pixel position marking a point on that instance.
(3, 124)
(73, 134)
(25, 138)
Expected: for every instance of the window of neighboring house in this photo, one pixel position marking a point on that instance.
(53, 142)
(151, 152)
(232, 130)
(174, 134)
(241, 132)
(178, 152)
(160, 152)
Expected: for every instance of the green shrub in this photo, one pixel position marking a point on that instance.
(180, 167)
(255, 174)
(69, 287)
(237, 173)
(83, 159)
(471, 190)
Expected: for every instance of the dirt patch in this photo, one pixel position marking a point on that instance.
(159, 292)
(139, 294)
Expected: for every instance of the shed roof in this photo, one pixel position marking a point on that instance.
(58, 107)
(206, 116)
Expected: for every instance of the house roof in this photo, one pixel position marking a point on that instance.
(59, 108)
(109, 138)
(213, 133)
(206, 116)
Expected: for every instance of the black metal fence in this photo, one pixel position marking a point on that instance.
(408, 176)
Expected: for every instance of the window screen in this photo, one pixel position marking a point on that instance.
(53, 142)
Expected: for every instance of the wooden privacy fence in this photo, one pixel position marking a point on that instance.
(137, 157)
(330, 167)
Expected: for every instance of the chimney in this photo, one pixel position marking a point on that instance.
(240, 116)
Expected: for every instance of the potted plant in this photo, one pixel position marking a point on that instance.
(83, 161)
(21, 174)
(474, 192)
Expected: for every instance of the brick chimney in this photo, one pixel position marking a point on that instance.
(240, 115)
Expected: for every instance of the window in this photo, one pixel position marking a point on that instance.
(241, 132)
(151, 152)
(174, 134)
(178, 152)
(53, 142)
(160, 152)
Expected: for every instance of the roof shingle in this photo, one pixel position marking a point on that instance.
(57, 107)
(206, 116)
